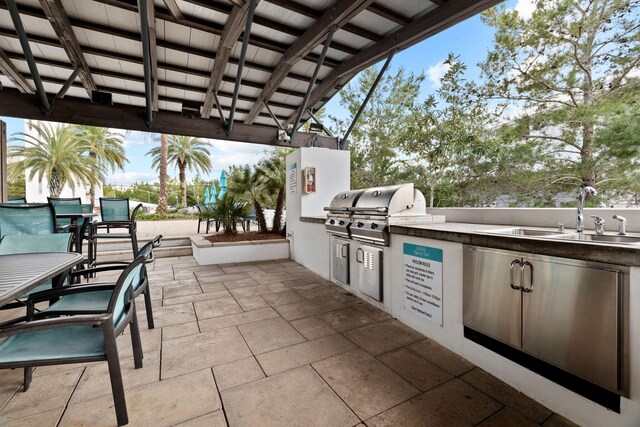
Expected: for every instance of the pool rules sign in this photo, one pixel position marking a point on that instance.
(423, 281)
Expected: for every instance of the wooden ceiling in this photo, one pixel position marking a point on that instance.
(188, 53)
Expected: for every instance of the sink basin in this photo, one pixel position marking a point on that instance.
(600, 238)
(518, 231)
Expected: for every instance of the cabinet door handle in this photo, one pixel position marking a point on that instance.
(358, 252)
(524, 265)
(511, 273)
(343, 252)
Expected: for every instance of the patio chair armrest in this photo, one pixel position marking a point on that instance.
(67, 290)
(135, 212)
(114, 224)
(157, 240)
(39, 325)
(108, 266)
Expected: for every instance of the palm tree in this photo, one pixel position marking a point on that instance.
(245, 182)
(184, 152)
(273, 177)
(162, 197)
(57, 154)
(106, 147)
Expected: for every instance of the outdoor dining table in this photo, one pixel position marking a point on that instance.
(20, 273)
(78, 231)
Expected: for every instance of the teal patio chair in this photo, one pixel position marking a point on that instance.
(205, 216)
(23, 244)
(250, 216)
(115, 215)
(64, 205)
(140, 285)
(17, 200)
(34, 218)
(86, 335)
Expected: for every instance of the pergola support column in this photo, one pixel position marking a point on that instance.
(146, 58)
(243, 54)
(344, 139)
(312, 83)
(45, 105)
(4, 185)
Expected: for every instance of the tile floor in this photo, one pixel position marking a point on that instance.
(270, 344)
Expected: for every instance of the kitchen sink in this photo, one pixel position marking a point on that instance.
(600, 238)
(518, 231)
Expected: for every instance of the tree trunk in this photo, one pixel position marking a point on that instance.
(431, 194)
(262, 222)
(162, 197)
(92, 186)
(183, 183)
(277, 216)
(54, 184)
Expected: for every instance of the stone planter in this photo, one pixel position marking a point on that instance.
(207, 253)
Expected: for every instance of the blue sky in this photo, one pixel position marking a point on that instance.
(469, 39)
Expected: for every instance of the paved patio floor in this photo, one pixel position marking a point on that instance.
(270, 344)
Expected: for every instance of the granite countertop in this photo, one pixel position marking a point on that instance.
(475, 234)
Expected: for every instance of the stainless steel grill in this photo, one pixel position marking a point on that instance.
(378, 207)
(339, 212)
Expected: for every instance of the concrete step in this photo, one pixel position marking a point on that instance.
(120, 249)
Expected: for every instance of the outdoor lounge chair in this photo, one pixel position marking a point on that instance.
(115, 215)
(35, 218)
(140, 284)
(22, 244)
(250, 216)
(87, 337)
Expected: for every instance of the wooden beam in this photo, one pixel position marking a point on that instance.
(162, 65)
(141, 95)
(174, 9)
(153, 51)
(389, 14)
(81, 112)
(232, 30)
(12, 73)
(163, 83)
(198, 23)
(59, 20)
(336, 15)
(426, 26)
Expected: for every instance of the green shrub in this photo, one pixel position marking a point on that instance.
(161, 217)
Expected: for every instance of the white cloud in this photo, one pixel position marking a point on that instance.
(436, 72)
(525, 8)
(125, 178)
(137, 138)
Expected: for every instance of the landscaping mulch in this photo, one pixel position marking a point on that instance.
(240, 237)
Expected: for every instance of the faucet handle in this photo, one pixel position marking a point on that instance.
(560, 226)
(599, 224)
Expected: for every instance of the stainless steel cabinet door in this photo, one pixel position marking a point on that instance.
(369, 261)
(491, 305)
(570, 318)
(340, 256)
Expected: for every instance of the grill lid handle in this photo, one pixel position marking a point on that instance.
(380, 209)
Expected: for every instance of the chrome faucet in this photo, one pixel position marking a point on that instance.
(585, 193)
(622, 225)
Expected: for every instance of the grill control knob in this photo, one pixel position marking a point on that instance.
(341, 223)
(360, 224)
(374, 226)
(333, 221)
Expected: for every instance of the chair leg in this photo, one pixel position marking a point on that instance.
(28, 371)
(136, 343)
(147, 305)
(115, 374)
(134, 242)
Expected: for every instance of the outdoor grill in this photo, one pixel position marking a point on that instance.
(378, 208)
(339, 212)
